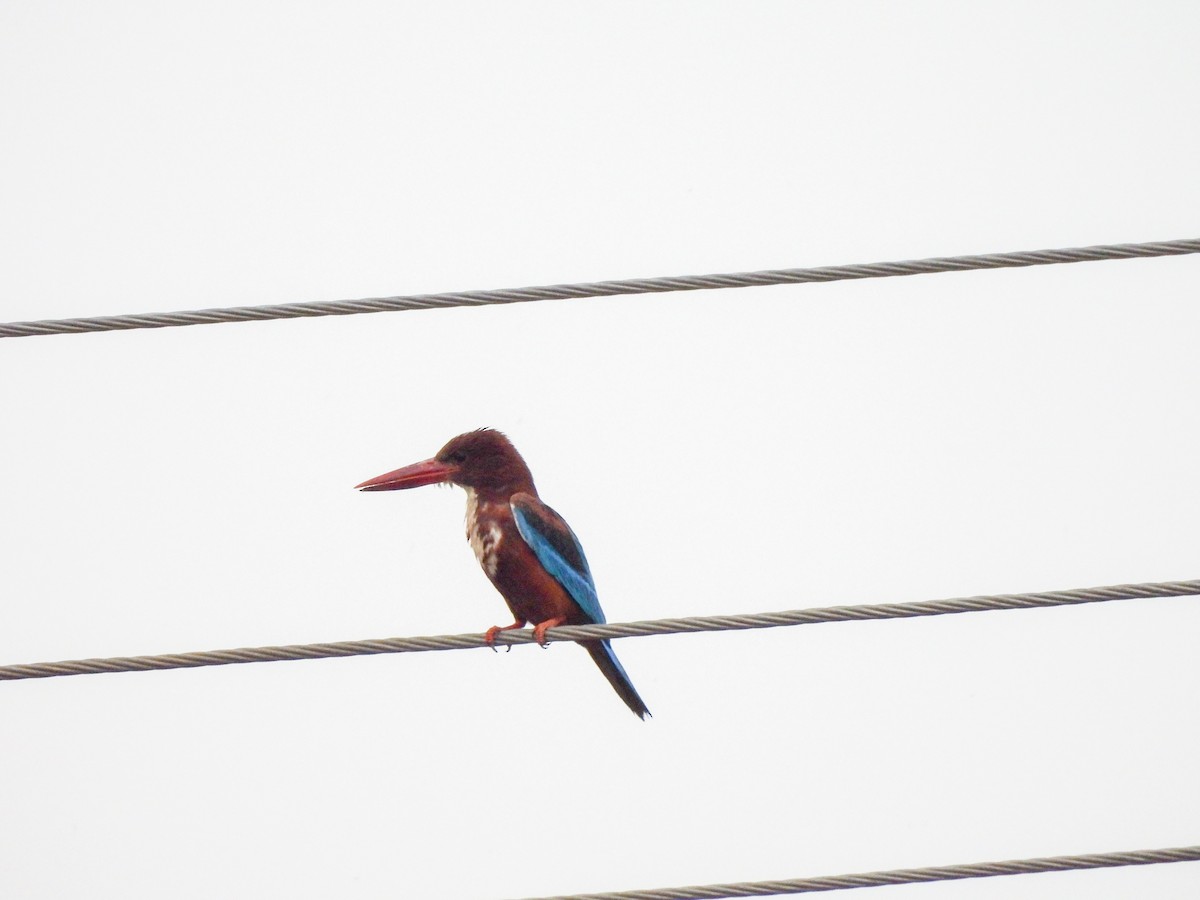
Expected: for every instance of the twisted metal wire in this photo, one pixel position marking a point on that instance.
(900, 876)
(602, 288)
(616, 630)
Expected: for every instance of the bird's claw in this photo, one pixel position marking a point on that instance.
(489, 638)
(540, 629)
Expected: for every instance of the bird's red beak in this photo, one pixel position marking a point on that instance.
(428, 472)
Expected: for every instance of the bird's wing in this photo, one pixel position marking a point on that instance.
(558, 550)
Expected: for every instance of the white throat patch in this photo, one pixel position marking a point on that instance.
(484, 539)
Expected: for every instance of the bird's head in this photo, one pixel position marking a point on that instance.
(482, 460)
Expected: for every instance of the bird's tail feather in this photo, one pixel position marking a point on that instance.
(602, 653)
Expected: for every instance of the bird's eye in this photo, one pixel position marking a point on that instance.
(458, 456)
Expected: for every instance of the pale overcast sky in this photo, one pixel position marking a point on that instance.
(867, 442)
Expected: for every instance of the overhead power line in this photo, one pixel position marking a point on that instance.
(616, 630)
(900, 876)
(602, 289)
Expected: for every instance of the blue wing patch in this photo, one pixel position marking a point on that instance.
(558, 550)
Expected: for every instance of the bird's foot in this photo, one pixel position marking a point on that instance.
(539, 630)
(489, 636)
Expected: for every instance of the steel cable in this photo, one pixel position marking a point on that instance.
(601, 289)
(617, 630)
(900, 876)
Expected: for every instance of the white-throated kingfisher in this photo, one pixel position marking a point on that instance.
(526, 549)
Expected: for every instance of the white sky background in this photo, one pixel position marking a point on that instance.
(743, 451)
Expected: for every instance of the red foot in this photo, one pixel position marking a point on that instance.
(489, 636)
(539, 630)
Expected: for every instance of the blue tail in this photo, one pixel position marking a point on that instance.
(602, 654)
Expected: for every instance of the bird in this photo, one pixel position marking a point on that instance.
(526, 549)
